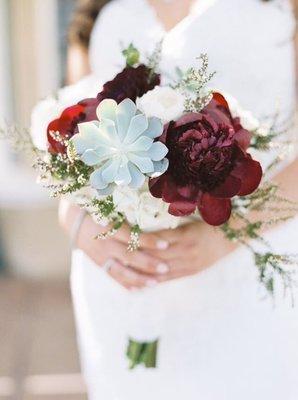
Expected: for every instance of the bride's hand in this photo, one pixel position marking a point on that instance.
(136, 269)
(192, 249)
(163, 256)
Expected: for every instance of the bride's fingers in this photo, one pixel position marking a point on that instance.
(147, 240)
(138, 260)
(127, 277)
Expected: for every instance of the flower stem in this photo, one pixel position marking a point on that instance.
(142, 353)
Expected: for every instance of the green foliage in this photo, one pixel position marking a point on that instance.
(270, 265)
(71, 175)
(132, 55)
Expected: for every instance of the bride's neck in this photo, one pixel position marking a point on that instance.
(171, 12)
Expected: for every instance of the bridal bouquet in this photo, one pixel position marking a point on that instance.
(155, 156)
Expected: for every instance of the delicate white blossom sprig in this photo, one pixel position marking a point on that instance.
(154, 59)
(193, 84)
(20, 140)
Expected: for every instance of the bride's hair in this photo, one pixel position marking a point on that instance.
(83, 20)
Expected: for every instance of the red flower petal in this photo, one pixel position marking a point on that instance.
(188, 119)
(72, 112)
(182, 208)
(228, 189)
(156, 186)
(243, 138)
(250, 173)
(214, 211)
(65, 125)
(219, 98)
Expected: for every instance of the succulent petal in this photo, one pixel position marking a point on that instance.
(109, 173)
(144, 164)
(141, 144)
(137, 126)
(137, 178)
(125, 112)
(155, 128)
(107, 110)
(123, 176)
(157, 151)
(97, 181)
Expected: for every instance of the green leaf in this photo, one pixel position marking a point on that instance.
(132, 55)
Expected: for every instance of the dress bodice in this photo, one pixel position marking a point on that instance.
(249, 44)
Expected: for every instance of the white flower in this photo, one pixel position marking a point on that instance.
(141, 208)
(162, 102)
(248, 121)
(43, 113)
(51, 107)
(121, 146)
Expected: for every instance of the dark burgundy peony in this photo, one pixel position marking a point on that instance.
(131, 83)
(208, 163)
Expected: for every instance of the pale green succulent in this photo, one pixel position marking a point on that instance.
(121, 146)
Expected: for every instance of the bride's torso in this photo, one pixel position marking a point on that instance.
(249, 44)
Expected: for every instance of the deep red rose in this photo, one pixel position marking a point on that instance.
(90, 105)
(130, 83)
(208, 163)
(66, 125)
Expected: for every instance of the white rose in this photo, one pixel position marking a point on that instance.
(43, 113)
(140, 207)
(248, 121)
(51, 108)
(162, 102)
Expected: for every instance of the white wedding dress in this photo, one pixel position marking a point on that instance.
(221, 337)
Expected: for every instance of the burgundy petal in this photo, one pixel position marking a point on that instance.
(170, 192)
(250, 173)
(182, 208)
(243, 138)
(228, 189)
(214, 211)
(188, 118)
(156, 186)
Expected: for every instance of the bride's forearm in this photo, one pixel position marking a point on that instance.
(287, 180)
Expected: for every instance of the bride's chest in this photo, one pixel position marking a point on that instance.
(222, 28)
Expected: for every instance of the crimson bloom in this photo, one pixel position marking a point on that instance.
(66, 126)
(131, 83)
(208, 163)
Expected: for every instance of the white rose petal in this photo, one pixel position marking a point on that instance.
(248, 121)
(162, 102)
(140, 207)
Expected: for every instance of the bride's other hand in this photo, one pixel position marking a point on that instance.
(136, 269)
(192, 249)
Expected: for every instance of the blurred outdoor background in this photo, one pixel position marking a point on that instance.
(38, 353)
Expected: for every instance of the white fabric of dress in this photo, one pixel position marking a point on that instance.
(221, 337)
